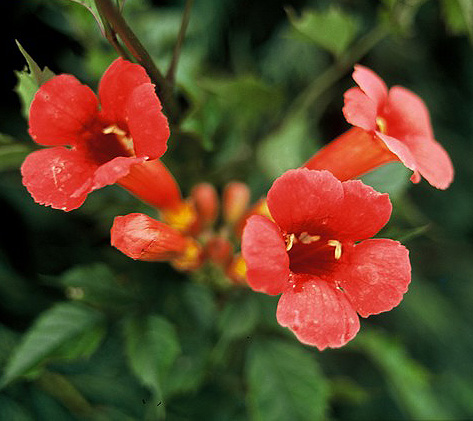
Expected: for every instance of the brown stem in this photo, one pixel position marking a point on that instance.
(118, 24)
(180, 39)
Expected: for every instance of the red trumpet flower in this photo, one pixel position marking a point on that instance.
(105, 142)
(390, 125)
(318, 255)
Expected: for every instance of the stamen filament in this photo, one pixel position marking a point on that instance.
(338, 247)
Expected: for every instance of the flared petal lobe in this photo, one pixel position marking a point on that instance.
(376, 275)
(363, 212)
(318, 313)
(264, 251)
(359, 110)
(61, 111)
(58, 177)
(117, 83)
(147, 124)
(304, 201)
(144, 238)
(371, 84)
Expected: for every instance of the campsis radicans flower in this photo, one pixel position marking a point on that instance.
(318, 254)
(390, 125)
(107, 136)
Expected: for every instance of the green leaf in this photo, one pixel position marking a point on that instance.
(152, 347)
(282, 149)
(97, 285)
(331, 29)
(392, 178)
(239, 317)
(285, 382)
(11, 410)
(408, 381)
(458, 15)
(12, 153)
(29, 81)
(55, 327)
(92, 8)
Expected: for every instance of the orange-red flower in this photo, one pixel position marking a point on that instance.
(390, 125)
(105, 140)
(318, 255)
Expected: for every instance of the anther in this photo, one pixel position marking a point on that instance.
(290, 241)
(338, 247)
(115, 130)
(305, 238)
(381, 123)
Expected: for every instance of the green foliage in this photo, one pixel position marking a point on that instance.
(12, 153)
(63, 323)
(29, 80)
(284, 382)
(458, 15)
(331, 29)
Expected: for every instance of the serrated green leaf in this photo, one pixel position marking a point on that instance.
(282, 149)
(408, 381)
(285, 382)
(152, 347)
(331, 29)
(62, 323)
(29, 81)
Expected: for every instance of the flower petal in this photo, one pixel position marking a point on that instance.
(371, 84)
(303, 200)
(400, 149)
(147, 124)
(363, 213)
(264, 251)
(433, 162)
(359, 110)
(54, 176)
(375, 276)
(406, 114)
(61, 111)
(116, 86)
(318, 313)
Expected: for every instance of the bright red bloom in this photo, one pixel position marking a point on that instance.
(400, 120)
(318, 256)
(105, 141)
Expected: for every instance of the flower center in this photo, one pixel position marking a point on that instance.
(313, 254)
(381, 124)
(125, 141)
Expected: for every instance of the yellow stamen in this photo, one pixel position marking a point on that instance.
(126, 141)
(305, 238)
(381, 123)
(338, 247)
(290, 242)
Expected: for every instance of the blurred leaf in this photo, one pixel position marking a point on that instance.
(152, 347)
(282, 149)
(62, 323)
(97, 285)
(199, 302)
(408, 381)
(392, 178)
(458, 15)
(11, 410)
(29, 80)
(92, 8)
(331, 29)
(285, 382)
(12, 153)
(239, 317)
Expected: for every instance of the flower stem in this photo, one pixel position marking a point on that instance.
(171, 73)
(119, 26)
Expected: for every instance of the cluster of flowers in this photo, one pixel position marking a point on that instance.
(309, 240)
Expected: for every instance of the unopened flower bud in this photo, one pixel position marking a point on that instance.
(144, 238)
(219, 251)
(236, 197)
(205, 199)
